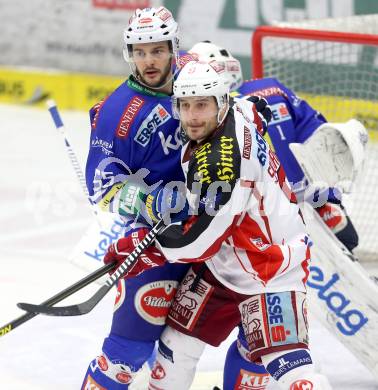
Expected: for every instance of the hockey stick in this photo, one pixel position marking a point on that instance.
(71, 154)
(58, 297)
(87, 306)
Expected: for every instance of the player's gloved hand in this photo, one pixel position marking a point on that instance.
(150, 206)
(333, 216)
(169, 203)
(119, 250)
(263, 111)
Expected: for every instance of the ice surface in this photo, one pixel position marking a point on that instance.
(43, 214)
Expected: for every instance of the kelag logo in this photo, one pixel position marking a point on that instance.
(116, 230)
(352, 320)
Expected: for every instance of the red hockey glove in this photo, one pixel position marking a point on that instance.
(119, 250)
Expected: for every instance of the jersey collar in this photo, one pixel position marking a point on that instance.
(133, 84)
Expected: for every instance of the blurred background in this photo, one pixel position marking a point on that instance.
(75, 46)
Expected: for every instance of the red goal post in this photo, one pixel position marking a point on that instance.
(333, 64)
(262, 32)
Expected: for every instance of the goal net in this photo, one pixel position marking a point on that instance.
(333, 64)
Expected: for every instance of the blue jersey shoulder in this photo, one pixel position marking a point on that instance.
(293, 119)
(135, 125)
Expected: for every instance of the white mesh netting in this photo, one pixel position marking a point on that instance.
(340, 79)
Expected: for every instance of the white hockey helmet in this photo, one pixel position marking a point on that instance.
(199, 78)
(150, 25)
(209, 52)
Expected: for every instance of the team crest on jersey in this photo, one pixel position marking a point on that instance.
(157, 117)
(188, 304)
(153, 300)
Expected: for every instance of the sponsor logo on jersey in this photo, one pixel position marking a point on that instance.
(247, 143)
(251, 381)
(102, 363)
(91, 384)
(252, 320)
(153, 300)
(281, 318)
(288, 362)
(350, 321)
(128, 116)
(274, 166)
(302, 384)
(158, 371)
(266, 92)
(121, 294)
(124, 377)
(225, 171)
(260, 244)
(260, 149)
(188, 305)
(158, 116)
(104, 145)
(280, 113)
(166, 142)
(107, 237)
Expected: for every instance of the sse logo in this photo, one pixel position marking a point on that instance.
(158, 116)
(282, 322)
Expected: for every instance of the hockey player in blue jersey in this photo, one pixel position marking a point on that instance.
(293, 120)
(135, 139)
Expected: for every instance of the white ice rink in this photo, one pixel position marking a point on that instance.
(43, 215)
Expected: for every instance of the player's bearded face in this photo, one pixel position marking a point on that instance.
(153, 62)
(199, 116)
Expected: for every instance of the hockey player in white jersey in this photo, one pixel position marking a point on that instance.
(294, 127)
(299, 124)
(249, 245)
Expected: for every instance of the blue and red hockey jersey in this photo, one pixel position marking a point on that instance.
(293, 120)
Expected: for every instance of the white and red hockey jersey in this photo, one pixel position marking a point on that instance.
(256, 242)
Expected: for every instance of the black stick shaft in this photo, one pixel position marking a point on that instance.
(58, 297)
